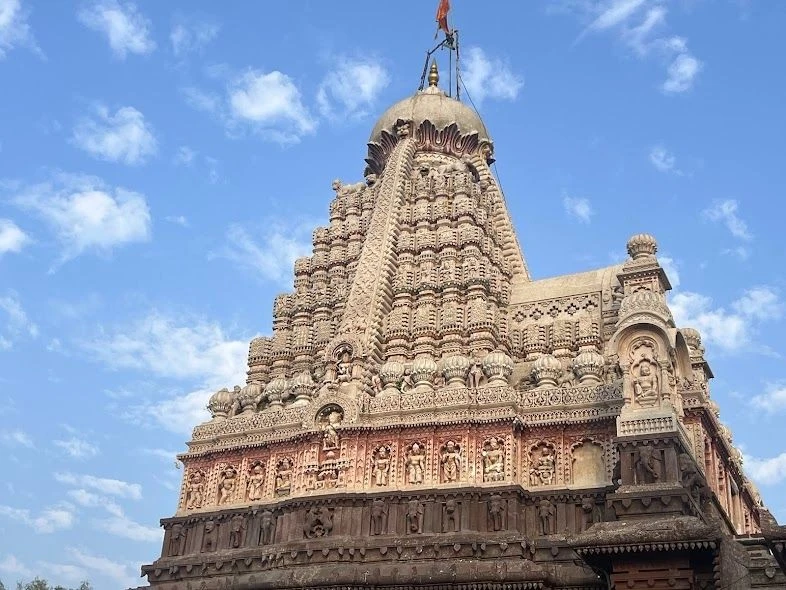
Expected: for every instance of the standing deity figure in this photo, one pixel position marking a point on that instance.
(645, 386)
(545, 467)
(255, 482)
(406, 382)
(546, 515)
(284, 477)
(588, 513)
(475, 376)
(416, 461)
(226, 486)
(381, 469)
(376, 383)
(647, 465)
(496, 511)
(414, 516)
(209, 537)
(451, 461)
(236, 526)
(377, 516)
(176, 539)
(450, 523)
(266, 530)
(493, 461)
(195, 491)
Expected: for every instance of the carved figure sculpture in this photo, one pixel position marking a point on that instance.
(493, 460)
(284, 477)
(376, 383)
(195, 493)
(645, 386)
(647, 465)
(344, 366)
(546, 515)
(402, 129)
(545, 468)
(209, 537)
(318, 522)
(475, 376)
(256, 481)
(588, 513)
(496, 511)
(414, 517)
(267, 526)
(689, 475)
(381, 470)
(416, 461)
(451, 462)
(226, 485)
(406, 382)
(378, 513)
(237, 525)
(450, 520)
(177, 539)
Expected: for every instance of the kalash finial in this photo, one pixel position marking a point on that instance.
(433, 75)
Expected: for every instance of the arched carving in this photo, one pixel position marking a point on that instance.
(588, 466)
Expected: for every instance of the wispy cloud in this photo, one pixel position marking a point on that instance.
(640, 25)
(731, 330)
(180, 220)
(725, 212)
(189, 35)
(124, 136)
(49, 520)
(766, 471)
(112, 487)
(14, 28)
(86, 214)
(11, 565)
(14, 322)
(269, 254)
(578, 207)
(126, 29)
(12, 238)
(77, 448)
(351, 87)
(773, 400)
(488, 77)
(16, 438)
(663, 160)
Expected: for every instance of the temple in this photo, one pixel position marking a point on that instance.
(428, 415)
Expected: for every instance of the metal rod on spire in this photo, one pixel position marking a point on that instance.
(450, 42)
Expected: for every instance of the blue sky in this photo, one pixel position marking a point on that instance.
(163, 164)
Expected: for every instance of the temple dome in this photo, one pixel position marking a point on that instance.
(432, 105)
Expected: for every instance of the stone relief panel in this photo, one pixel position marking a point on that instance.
(543, 464)
(588, 465)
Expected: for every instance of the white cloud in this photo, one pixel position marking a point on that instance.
(14, 29)
(121, 137)
(272, 254)
(17, 324)
(113, 487)
(730, 330)
(126, 29)
(670, 267)
(124, 574)
(638, 24)
(77, 448)
(16, 438)
(193, 350)
(90, 500)
(768, 471)
(88, 215)
(191, 37)
(12, 238)
(65, 572)
(180, 220)
(185, 155)
(773, 400)
(50, 520)
(663, 159)
(579, 208)
(11, 565)
(202, 101)
(486, 77)
(270, 103)
(351, 88)
(725, 212)
(681, 73)
(122, 526)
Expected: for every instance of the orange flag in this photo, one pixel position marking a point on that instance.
(442, 16)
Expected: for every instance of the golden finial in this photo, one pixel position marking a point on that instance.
(433, 74)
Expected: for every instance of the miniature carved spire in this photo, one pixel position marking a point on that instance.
(433, 75)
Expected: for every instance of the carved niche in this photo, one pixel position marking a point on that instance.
(318, 522)
(543, 464)
(496, 512)
(546, 513)
(450, 516)
(379, 516)
(415, 464)
(267, 527)
(493, 455)
(649, 373)
(195, 490)
(284, 474)
(381, 462)
(227, 484)
(588, 466)
(177, 540)
(450, 461)
(255, 485)
(648, 466)
(209, 537)
(237, 528)
(414, 516)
